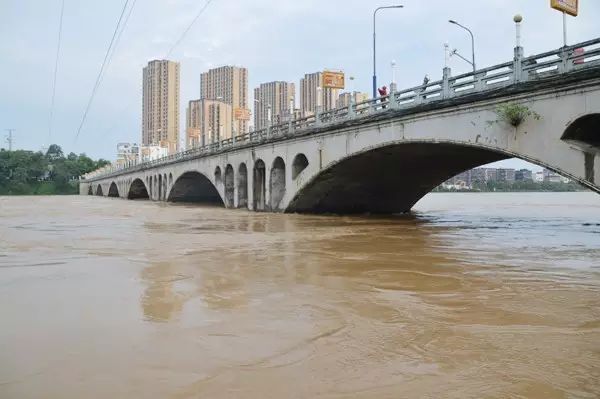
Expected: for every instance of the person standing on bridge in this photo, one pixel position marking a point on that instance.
(383, 94)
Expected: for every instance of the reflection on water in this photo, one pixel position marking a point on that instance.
(471, 296)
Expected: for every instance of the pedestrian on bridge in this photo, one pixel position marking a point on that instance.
(383, 95)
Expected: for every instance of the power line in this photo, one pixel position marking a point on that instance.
(104, 64)
(62, 9)
(188, 28)
(181, 37)
(114, 49)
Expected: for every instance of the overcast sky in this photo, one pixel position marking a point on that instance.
(274, 39)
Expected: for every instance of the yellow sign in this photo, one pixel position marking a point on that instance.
(571, 7)
(241, 114)
(333, 80)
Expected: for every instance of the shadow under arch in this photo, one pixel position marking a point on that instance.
(99, 191)
(138, 190)
(392, 178)
(113, 191)
(584, 131)
(194, 187)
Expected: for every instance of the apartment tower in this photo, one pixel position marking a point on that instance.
(228, 84)
(280, 97)
(356, 97)
(160, 105)
(207, 121)
(314, 96)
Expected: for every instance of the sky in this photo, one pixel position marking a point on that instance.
(274, 39)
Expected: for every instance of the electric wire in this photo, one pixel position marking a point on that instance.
(60, 24)
(185, 32)
(102, 67)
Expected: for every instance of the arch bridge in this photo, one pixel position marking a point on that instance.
(383, 155)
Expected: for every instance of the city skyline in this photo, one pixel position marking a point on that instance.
(113, 121)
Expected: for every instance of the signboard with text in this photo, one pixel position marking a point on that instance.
(241, 114)
(333, 80)
(571, 7)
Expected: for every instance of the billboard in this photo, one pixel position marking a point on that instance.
(569, 6)
(241, 114)
(333, 80)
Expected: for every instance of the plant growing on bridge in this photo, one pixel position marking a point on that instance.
(515, 114)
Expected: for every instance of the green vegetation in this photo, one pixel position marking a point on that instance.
(515, 114)
(495, 186)
(36, 173)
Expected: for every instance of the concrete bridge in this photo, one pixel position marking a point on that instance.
(383, 155)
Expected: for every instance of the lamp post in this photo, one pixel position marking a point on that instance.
(472, 41)
(374, 47)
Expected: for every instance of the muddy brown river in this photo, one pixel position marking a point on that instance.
(471, 296)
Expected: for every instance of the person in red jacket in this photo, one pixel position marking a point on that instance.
(383, 93)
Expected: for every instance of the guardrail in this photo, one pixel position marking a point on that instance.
(521, 69)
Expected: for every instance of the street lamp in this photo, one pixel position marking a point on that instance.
(374, 51)
(472, 42)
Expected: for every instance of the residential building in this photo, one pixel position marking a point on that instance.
(524, 175)
(208, 121)
(160, 105)
(553, 177)
(483, 175)
(313, 96)
(344, 98)
(127, 154)
(228, 84)
(538, 176)
(505, 175)
(276, 100)
(152, 152)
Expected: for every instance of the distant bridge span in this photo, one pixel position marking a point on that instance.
(382, 157)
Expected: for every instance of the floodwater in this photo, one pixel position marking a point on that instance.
(472, 296)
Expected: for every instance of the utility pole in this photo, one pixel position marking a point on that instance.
(9, 138)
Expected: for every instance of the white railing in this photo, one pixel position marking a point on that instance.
(521, 69)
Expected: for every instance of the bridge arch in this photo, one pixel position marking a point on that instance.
(242, 185)
(99, 190)
(392, 177)
(584, 131)
(160, 187)
(90, 190)
(193, 186)
(259, 185)
(113, 190)
(138, 190)
(218, 175)
(229, 186)
(277, 183)
(299, 164)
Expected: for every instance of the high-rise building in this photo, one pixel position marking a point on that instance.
(506, 175)
(160, 105)
(207, 121)
(344, 98)
(314, 96)
(524, 175)
(228, 84)
(277, 97)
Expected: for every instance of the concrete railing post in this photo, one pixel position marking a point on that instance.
(518, 75)
(446, 92)
(351, 108)
(565, 65)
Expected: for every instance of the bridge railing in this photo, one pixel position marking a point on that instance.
(520, 69)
